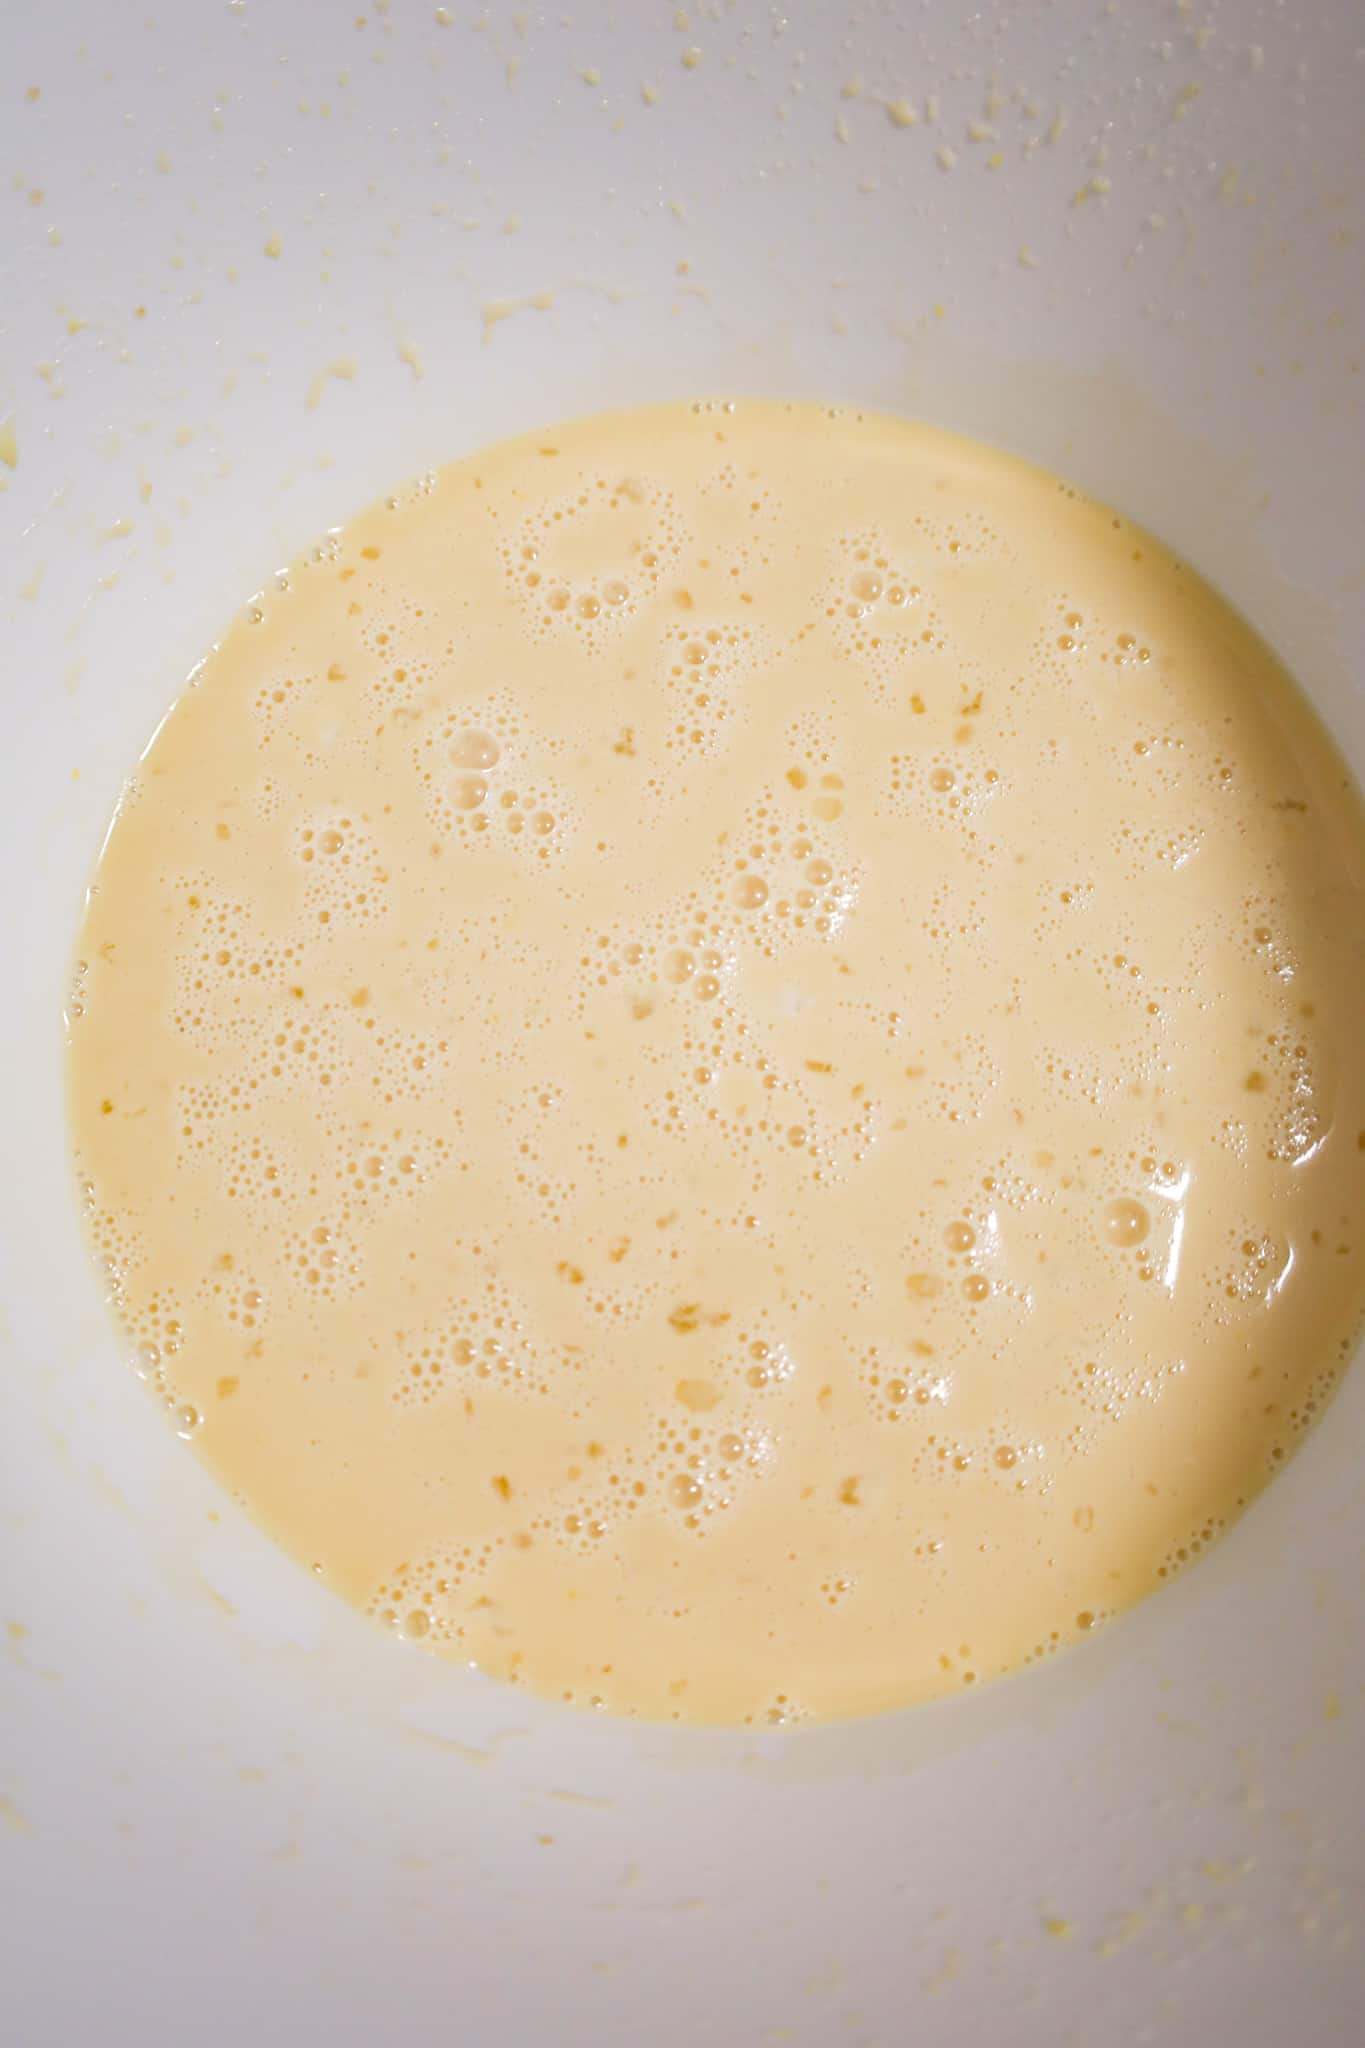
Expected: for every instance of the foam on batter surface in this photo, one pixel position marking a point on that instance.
(716, 1062)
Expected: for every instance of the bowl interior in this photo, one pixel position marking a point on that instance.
(261, 265)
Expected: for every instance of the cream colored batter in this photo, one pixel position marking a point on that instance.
(716, 1063)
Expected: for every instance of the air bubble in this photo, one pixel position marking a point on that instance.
(1126, 1222)
(475, 750)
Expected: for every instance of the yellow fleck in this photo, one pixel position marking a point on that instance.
(947, 1971)
(901, 113)
(851, 89)
(1060, 1930)
(569, 1797)
(590, 75)
(343, 368)
(946, 156)
(9, 442)
(1027, 257)
(13, 1819)
(497, 310)
(691, 58)
(408, 353)
(274, 247)
(649, 94)
(1127, 1927)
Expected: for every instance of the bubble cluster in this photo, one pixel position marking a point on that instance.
(584, 560)
(474, 795)
(709, 670)
(880, 617)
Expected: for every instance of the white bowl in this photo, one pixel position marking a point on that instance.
(261, 263)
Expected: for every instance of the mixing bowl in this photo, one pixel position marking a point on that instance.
(261, 263)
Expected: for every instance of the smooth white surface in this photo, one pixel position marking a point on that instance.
(229, 1808)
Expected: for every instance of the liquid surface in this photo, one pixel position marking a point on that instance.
(716, 1063)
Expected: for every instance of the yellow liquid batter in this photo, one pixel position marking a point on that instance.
(716, 1064)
